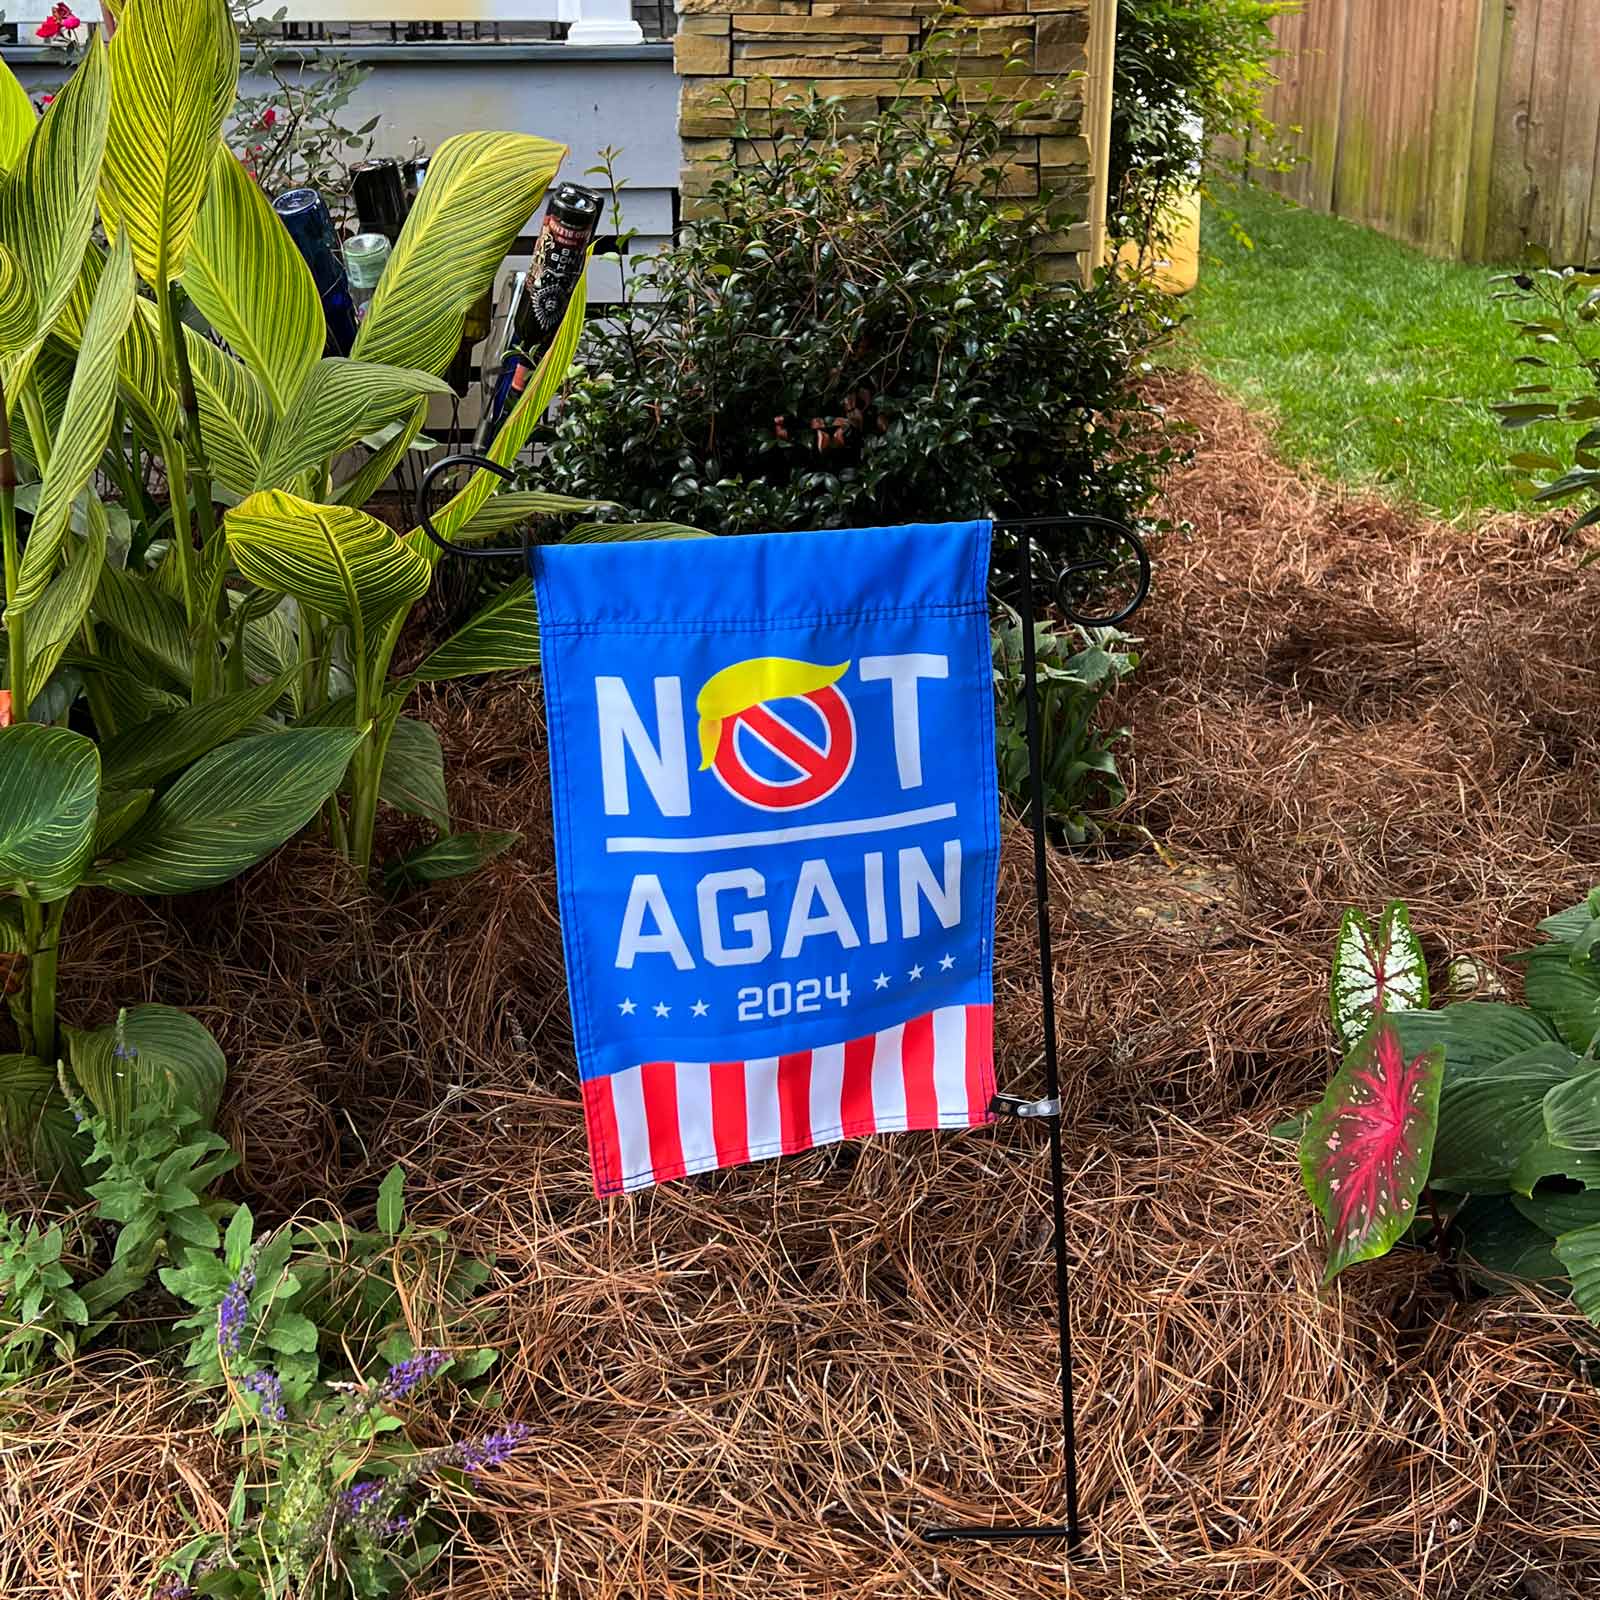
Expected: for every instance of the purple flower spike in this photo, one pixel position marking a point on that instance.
(267, 1386)
(493, 1450)
(404, 1376)
(360, 1497)
(234, 1312)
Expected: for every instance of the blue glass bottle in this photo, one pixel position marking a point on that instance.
(306, 217)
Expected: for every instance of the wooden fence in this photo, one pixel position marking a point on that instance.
(1468, 127)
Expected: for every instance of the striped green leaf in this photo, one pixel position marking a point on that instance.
(85, 427)
(1572, 1113)
(412, 779)
(451, 857)
(18, 311)
(34, 1117)
(374, 471)
(170, 1053)
(47, 207)
(235, 414)
(49, 789)
(155, 749)
(252, 285)
(229, 810)
(335, 559)
(17, 117)
(55, 620)
(482, 188)
(503, 637)
(152, 622)
(518, 427)
(630, 532)
(340, 402)
(174, 75)
(119, 810)
(521, 505)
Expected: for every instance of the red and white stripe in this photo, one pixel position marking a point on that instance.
(666, 1119)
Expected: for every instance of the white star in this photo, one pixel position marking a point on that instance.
(946, 962)
(663, 1009)
(881, 981)
(914, 974)
(627, 1008)
(699, 1008)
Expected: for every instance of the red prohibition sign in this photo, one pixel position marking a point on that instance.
(819, 769)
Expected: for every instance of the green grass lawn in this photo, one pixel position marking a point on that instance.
(1377, 361)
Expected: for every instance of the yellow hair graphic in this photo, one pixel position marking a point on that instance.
(749, 683)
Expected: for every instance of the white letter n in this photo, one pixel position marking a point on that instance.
(664, 767)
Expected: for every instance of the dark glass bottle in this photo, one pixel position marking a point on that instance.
(536, 308)
(305, 215)
(379, 191)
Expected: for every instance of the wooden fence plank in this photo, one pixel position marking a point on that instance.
(1494, 25)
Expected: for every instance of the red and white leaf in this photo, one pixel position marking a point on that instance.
(1365, 1151)
(1375, 969)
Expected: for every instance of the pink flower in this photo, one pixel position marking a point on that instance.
(63, 13)
(46, 100)
(49, 28)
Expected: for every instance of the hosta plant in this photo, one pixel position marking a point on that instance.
(1491, 1110)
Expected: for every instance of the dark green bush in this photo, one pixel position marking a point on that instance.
(862, 332)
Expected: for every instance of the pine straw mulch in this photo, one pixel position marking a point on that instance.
(759, 1385)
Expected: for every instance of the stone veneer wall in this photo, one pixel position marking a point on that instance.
(858, 48)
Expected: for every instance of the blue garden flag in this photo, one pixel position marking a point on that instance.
(777, 831)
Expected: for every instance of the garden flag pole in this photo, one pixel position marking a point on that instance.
(776, 875)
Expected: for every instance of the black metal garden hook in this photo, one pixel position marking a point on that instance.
(420, 508)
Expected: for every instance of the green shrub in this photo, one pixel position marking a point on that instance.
(39, 1308)
(861, 332)
(1190, 78)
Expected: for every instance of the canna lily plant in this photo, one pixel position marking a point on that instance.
(229, 642)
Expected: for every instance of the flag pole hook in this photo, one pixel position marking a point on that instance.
(421, 508)
(1048, 1109)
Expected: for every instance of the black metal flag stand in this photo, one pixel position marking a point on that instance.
(1070, 583)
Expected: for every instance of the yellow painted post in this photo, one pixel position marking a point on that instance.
(1097, 114)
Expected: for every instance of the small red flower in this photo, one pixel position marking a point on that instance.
(46, 100)
(269, 116)
(49, 28)
(5, 708)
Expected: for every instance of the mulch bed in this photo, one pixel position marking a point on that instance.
(758, 1385)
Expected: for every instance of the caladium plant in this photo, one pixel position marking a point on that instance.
(1376, 968)
(1366, 1147)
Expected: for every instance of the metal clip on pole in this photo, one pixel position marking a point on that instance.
(422, 509)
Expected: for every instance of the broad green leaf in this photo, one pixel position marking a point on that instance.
(454, 856)
(17, 117)
(155, 749)
(482, 188)
(1365, 1152)
(252, 285)
(1489, 1114)
(174, 75)
(235, 414)
(1474, 1032)
(119, 810)
(1541, 1159)
(47, 207)
(85, 427)
(413, 774)
(336, 559)
(507, 510)
(503, 637)
(1375, 969)
(55, 620)
(1572, 1112)
(229, 810)
(518, 427)
(1498, 1242)
(1575, 923)
(340, 402)
(171, 1053)
(237, 1240)
(49, 788)
(1560, 1210)
(374, 472)
(34, 1116)
(149, 620)
(1565, 992)
(630, 532)
(1579, 1253)
(391, 1200)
